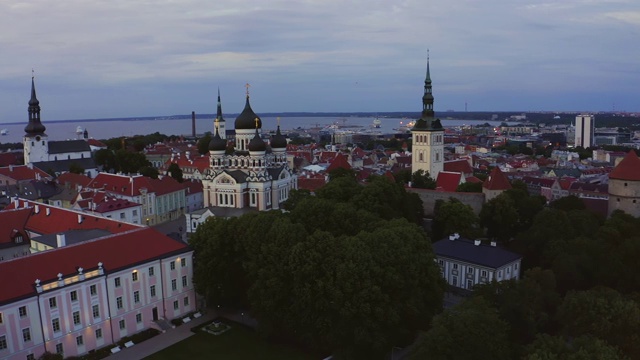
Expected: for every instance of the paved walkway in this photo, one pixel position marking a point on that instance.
(158, 343)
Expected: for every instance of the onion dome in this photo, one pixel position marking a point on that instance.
(278, 141)
(217, 143)
(246, 119)
(257, 144)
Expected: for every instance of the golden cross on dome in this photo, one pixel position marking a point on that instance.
(247, 86)
(257, 121)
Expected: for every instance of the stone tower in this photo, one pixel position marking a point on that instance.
(428, 136)
(624, 186)
(35, 141)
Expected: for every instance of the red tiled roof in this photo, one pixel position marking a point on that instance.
(12, 221)
(96, 143)
(628, 168)
(497, 180)
(131, 185)
(22, 172)
(60, 220)
(339, 161)
(10, 158)
(193, 187)
(448, 181)
(460, 166)
(311, 183)
(75, 179)
(116, 251)
(472, 179)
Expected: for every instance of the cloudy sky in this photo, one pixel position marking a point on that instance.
(126, 58)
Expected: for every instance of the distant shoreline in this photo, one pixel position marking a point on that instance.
(446, 115)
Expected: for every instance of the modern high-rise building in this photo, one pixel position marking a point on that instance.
(584, 130)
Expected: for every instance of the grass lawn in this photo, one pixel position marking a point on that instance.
(238, 343)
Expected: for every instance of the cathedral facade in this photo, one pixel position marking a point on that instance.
(251, 174)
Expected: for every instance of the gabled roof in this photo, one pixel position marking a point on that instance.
(339, 161)
(448, 181)
(497, 180)
(460, 166)
(131, 185)
(62, 166)
(118, 251)
(13, 221)
(311, 182)
(68, 146)
(465, 250)
(59, 219)
(628, 168)
(73, 179)
(22, 172)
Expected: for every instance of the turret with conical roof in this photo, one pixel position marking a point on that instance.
(624, 185)
(220, 123)
(34, 127)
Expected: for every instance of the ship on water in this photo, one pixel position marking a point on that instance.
(79, 130)
(377, 123)
(4, 132)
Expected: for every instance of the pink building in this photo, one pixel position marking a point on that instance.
(88, 295)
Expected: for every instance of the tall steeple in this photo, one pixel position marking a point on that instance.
(220, 124)
(427, 98)
(219, 113)
(34, 127)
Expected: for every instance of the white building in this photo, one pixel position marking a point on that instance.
(254, 175)
(465, 263)
(584, 130)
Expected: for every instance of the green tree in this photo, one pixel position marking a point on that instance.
(547, 347)
(106, 159)
(175, 172)
(500, 217)
(455, 217)
(76, 169)
(149, 171)
(475, 187)
(528, 305)
(422, 180)
(568, 203)
(485, 334)
(295, 196)
(130, 162)
(603, 313)
(203, 144)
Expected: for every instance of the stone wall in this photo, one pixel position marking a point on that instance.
(429, 198)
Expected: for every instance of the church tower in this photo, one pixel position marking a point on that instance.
(35, 141)
(219, 125)
(247, 123)
(427, 136)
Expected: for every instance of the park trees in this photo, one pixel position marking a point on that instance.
(455, 217)
(175, 172)
(330, 274)
(471, 330)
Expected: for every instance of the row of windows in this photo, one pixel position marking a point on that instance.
(176, 304)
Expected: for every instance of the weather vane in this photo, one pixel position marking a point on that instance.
(247, 86)
(32, 73)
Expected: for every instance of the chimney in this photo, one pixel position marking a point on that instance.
(193, 123)
(36, 208)
(11, 168)
(61, 240)
(477, 242)
(47, 211)
(80, 219)
(493, 243)
(30, 166)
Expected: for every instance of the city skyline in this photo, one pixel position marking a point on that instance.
(170, 58)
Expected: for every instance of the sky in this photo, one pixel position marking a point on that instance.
(130, 58)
